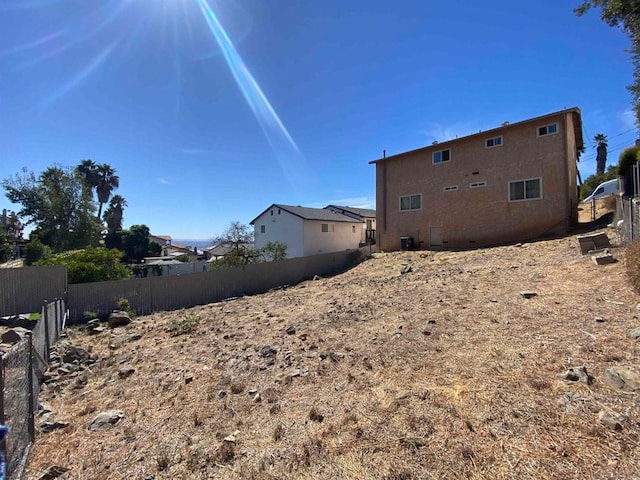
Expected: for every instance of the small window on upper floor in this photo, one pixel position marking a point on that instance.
(263, 229)
(450, 188)
(271, 212)
(278, 211)
(494, 142)
(441, 156)
(548, 130)
(477, 184)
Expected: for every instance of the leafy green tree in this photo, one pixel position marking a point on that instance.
(626, 15)
(239, 238)
(136, 244)
(57, 203)
(6, 248)
(90, 265)
(601, 152)
(36, 251)
(628, 158)
(274, 251)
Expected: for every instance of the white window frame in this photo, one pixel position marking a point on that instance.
(493, 142)
(450, 188)
(441, 152)
(477, 184)
(546, 127)
(409, 197)
(524, 181)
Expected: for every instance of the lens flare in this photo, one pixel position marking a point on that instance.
(285, 149)
(82, 75)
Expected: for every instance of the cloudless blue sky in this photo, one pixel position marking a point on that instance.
(295, 97)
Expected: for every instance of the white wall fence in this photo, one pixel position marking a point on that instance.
(154, 294)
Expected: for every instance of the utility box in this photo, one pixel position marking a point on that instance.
(406, 243)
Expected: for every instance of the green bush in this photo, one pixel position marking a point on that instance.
(633, 265)
(36, 251)
(628, 158)
(90, 265)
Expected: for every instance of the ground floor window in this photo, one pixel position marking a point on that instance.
(529, 189)
(410, 202)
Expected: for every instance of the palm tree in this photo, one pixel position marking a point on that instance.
(601, 155)
(107, 182)
(114, 213)
(87, 170)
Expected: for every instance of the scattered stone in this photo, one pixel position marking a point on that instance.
(52, 472)
(406, 269)
(303, 337)
(119, 319)
(283, 378)
(268, 351)
(188, 379)
(600, 319)
(528, 294)
(316, 277)
(105, 420)
(290, 330)
(14, 335)
(609, 421)
(634, 334)
(48, 427)
(257, 398)
(432, 322)
(126, 371)
(578, 374)
(75, 354)
(96, 330)
(253, 391)
(222, 394)
(231, 438)
(623, 379)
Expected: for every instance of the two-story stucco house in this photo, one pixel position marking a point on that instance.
(366, 216)
(306, 231)
(512, 183)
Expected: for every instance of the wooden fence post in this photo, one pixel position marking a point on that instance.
(45, 317)
(31, 419)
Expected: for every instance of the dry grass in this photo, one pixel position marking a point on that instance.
(445, 372)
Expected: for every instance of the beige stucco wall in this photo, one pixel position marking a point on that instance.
(470, 217)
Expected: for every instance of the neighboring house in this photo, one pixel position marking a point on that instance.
(366, 216)
(220, 251)
(162, 240)
(178, 251)
(306, 231)
(512, 183)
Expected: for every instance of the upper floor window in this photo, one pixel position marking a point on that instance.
(477, 184)
(548, 129)
(410, 202)
(441, 156)
(529, 189)
(450, 188)
(262, 229)
(494, 142)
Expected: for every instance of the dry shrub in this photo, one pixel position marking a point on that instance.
(633, 265)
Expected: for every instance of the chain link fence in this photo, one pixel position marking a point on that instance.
(21, 370)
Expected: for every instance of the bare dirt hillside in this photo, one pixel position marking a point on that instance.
(445, 371)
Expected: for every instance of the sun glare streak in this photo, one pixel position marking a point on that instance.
(287, 152)
(33, 44)
(121, 5)
(80, 77)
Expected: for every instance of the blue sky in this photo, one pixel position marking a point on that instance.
(211, 110)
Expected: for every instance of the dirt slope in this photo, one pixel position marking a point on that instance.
(446, 371)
